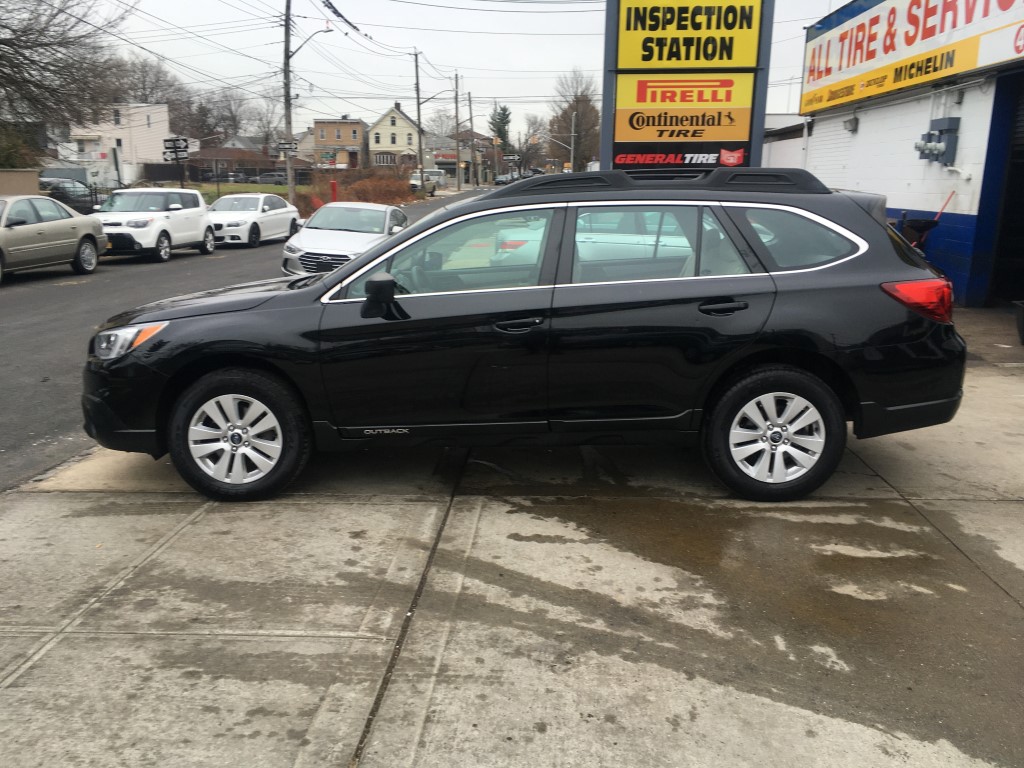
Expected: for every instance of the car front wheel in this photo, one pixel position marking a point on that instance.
(85, 259)
(254, 236)
(239, 435)
(208, 244)
(775, 435)
(162, 252)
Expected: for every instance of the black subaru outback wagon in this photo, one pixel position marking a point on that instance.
(751, 311)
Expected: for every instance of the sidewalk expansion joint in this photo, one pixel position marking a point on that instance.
(16, 670)
(254, 634)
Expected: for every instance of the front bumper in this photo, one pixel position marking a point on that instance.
(120, 406)
(125, 242)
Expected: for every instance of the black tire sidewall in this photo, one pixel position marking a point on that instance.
(276, 396)
(254, 234)
(715, 437)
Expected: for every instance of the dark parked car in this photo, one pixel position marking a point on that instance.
(752, 312)
(73, 193)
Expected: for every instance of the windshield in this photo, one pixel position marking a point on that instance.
(347, 219)
(236, 204)
(135, 201)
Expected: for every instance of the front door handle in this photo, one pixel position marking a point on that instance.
(719, 308)
(519, 326)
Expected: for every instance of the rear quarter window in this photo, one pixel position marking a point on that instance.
(793, 240)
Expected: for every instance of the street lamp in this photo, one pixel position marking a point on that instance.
(288, 54)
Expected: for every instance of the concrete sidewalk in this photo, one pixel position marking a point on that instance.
(510, 607)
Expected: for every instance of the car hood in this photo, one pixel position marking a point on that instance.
(333, 241)
(232, 298)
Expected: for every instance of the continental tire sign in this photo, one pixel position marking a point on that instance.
(685, 85)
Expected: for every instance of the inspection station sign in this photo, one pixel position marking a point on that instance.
(682, 83)
(873, 47)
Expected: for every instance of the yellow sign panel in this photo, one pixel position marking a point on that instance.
(683, 107)
(938, 64)
(679, 34)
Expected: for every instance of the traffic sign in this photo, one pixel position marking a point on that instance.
(287, 145)
(176, 142)
(175, 154)
(511, 158)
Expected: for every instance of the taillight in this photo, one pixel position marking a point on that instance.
(511, 245)
(932, 298)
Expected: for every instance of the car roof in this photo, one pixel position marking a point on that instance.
(154, 189)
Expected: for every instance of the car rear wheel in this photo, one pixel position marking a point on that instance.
(775, 435)
(163, 247)
(209, 242)
(85, 260)
(254, 236)
(239, 435)
(293, 228)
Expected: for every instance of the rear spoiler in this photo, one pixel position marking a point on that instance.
(872, 202)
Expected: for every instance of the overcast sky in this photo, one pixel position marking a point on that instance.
(505, 51)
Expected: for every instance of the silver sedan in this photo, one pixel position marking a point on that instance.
(37, 231)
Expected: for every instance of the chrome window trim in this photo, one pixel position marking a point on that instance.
(664, 280)
(408, 296)
(326, 298)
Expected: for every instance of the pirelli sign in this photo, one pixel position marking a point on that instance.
(681, 87)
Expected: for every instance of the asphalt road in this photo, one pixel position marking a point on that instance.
(47, 317)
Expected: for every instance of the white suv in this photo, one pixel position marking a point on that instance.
(155, 221)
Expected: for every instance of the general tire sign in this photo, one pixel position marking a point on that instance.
(688, 84)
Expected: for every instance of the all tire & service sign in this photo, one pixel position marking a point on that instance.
(869, 48)
(685, 83)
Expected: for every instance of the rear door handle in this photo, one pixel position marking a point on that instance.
(722, 307)
(519, 326)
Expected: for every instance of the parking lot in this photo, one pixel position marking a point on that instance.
(599, 606)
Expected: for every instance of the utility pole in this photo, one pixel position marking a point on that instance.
(419, 120)
(289, 171)
(458, 151)
(572, 147)
(472, 145)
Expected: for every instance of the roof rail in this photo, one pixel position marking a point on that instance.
(786, 180)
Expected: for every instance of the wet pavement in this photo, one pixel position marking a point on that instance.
(506, 607)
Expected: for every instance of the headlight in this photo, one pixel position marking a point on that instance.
(112, 344)
(139, 223)
(235, 224)
(292, 250)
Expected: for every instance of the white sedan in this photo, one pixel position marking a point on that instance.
(251, 218)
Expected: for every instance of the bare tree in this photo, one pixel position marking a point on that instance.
(535, 146)
(56, 60)
(267, 117)
(441, 123)
(576, 95)
(233, 110)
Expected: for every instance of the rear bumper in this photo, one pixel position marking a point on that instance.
(878, 420)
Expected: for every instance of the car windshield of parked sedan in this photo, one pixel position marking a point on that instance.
(236, 204)
(343, 219)
(135, 201)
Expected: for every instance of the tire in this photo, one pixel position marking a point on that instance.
(775, 435)
(86, 259)
(293, 228)
(254, 237)
(163, 247)
(216, 453)
(208, 244)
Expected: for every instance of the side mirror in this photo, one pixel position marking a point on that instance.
(380, 295)
(95, 207)
(266, 208)
(16, 221)
(174, 207)
(396, 228)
